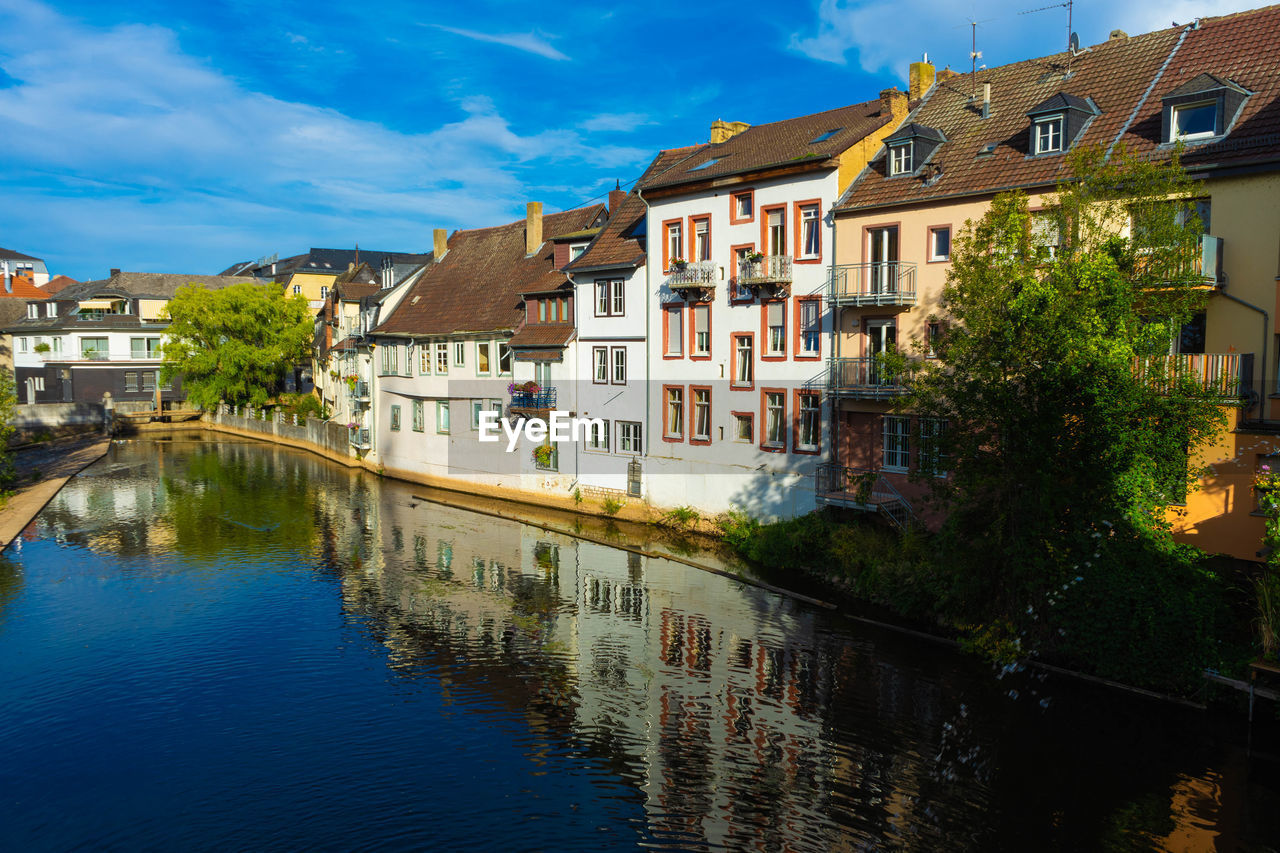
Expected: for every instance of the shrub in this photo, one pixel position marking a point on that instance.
(611, 506)
(680, 518)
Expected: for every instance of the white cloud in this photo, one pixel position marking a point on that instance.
(616, 122)
(528, 42)
(128, 152)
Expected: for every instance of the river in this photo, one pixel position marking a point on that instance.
(213, 644)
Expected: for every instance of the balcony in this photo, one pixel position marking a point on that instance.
(695, 281)
(882, 284)
(360, 439)
(866, 379)
(1225, 375)
(359, 391)
(530, 401)
(862, 488)
(770, 274)
(1200, 262)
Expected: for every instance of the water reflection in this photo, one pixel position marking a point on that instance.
(735, 718)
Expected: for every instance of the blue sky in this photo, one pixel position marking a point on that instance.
(182, 137)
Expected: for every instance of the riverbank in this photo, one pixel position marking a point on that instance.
(41, 471)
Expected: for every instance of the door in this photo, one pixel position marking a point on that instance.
(882, 337)
(882, 250)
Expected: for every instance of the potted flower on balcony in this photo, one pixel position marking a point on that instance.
(753, 257)
(542, 455)
(1266, 484)
(42, 348)
(351, 379)
(678, 264)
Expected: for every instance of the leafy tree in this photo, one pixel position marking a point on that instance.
(8, 409)
(235, 344)
(1067, 424)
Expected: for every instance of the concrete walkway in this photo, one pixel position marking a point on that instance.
(55, 463)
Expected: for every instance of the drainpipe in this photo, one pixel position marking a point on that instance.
(1262, 369)
(648, 298)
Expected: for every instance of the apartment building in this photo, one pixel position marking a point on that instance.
(1211, 85)
(741, 235)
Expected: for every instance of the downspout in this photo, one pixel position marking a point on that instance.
(648, 294)
(1262, 369)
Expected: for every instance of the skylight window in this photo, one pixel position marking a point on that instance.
(706, 165)
(824, 137)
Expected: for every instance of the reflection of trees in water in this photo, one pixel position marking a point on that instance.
(10, 583)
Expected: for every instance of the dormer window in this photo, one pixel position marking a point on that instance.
(1048, 134)
(900, 164)
(1202, 109)
(1058, 122)
(910, 147)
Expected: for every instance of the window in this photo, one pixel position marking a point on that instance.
(1048, 135)
(810, 232)
(395, 417)
(1046, 236)
(598, 436)
(932, 459)
(809, 427)
(33, 310)
(741, 292)
(495, 406)
(609, 297)
(674, 320)
(576, 250)
(148, 380)
(37, 383)
(619, 301)
(459, 354)
(602, 298)
(701, 330)
(50, 309)
(619, 365)
(442, 359)
(57, 344)
(934, 333)
(775, 413)
(542, 310)
(419, 416)
(701, 414)
(144, 347)
(940, 243)
(22, 345)
(297, 288)
(600, 356)
(93, 348)
(442, 416)
(477, 406)
(504, 359)
(551, 462)
(482, 358)
(324, 292)
(744, 427)
(810, 320)
(897, 445)
(775, 235)
(390, 359)
(900, 160)
(629, 437)
(741, 207)
(1195, 121)
(674, 245)
(674, 421)
(542, 373)
(701, 240)
(131, 383)
(775, 329)
(744, 361)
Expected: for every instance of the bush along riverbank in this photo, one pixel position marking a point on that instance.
(1131, 606)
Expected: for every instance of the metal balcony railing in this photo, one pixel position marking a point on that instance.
(543, 399)
(862, 488)
(1227, 375)
(771, 269)
(693, 274)
(360, 439)
(868, 378)
(873, 284)
(360, 390)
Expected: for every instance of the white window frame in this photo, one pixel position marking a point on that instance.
(675, 343)
(749, 419)
(675, 242)
(618, 366)
(1050, 134)
(424, 360)
(744, 369)
(460, 354)
(701, 426)
(600, 365)
(419, 416)
(1178, 109)
(810, 232)
(504, 355)
(900, 159)
(442, 359)
(896, 443)
(442, 417)
(673, 412)
(775, 419)
(701, 239)
(484, 353)
(701, 338)
(775, 333)
(598, 437)
(630, 437)
(934, 254)
(810, 332)
(809, 417)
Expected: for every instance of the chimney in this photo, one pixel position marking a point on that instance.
(986, 100)
(893, 103)
(920, 78)
(441, 242)
(114, 273)
(946, 74)
(723, 131)
(8, 281)
(532, 227)
(616, 197)
(351, 266)
(1117, 34)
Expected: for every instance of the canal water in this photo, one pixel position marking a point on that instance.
(222, 645)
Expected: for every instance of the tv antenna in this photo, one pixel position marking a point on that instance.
(974, 56)
(1073, 40)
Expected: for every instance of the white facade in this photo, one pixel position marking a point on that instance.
(737, 415)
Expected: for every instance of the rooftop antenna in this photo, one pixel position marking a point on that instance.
(1073, 40)
(974, 56)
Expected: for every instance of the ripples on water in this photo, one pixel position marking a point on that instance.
(227, 646)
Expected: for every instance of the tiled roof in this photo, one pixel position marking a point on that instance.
(780, 143)
(57, 283)
(1116, 75)
(477, 285)
(11, 255)
(541, 335)
(622, 241)
(146, 284)
(22, 288)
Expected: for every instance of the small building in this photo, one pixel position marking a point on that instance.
(31, 268)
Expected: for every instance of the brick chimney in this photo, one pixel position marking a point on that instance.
(532, 227)
(440, 240)
(893, 103)
(114, 273)
(920, 76)
(723, 131)
(946, 74)
(616, 197)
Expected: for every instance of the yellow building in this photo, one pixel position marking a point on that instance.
(1213, 85)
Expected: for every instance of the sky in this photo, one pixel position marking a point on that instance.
(182, 137)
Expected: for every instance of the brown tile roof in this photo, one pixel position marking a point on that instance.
(779, 143)
(539, 335)
(56, 283)
(622, 241)
(1116, 74)
(477, 285)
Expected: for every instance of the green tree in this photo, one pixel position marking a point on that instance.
(235, 344)
(8, 409)
(1067, 423)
